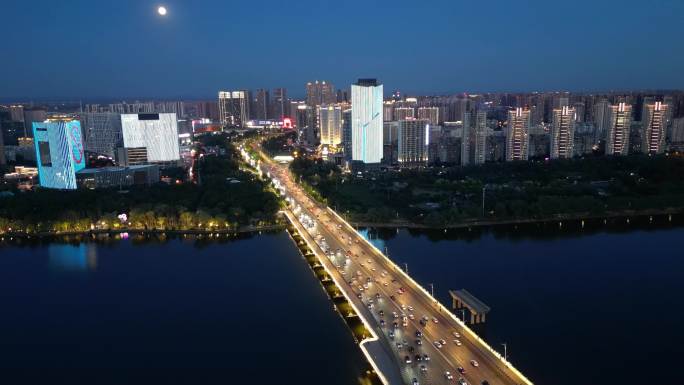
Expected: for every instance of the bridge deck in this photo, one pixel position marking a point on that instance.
(470, 301)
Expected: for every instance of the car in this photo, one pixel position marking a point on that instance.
(442, 342)
(422, 323)
(403, 306)
(426, 357)
(456, 334)
(415, 381)
(418, 358)
(381, 313)
(457, 342)
(484, 382)
(462, 381)
(391, 334)
(419, 341)
(377, 295)
(395, 325)
(423, 368)
(448, 375)
(407, 359)
(461, 370)
(411, 349)
(382, 322)
(438, 345)
(392, 297)
(474, 363)
(399, 345)
(385, 284)
(435, 320)
(410, 308)
(411, 316)
(419, 334)
(395, 315)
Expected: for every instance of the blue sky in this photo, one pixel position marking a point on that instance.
(86, 49)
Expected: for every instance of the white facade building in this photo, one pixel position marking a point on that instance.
(367, 121)
(157, 133)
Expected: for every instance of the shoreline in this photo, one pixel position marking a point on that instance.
(508, 221)
(240, 230)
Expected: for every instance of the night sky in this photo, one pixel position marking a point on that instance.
(123, 48)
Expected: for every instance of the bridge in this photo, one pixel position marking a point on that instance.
(462, 298)
(414, 338)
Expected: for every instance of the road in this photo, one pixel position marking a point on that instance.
(376, 283)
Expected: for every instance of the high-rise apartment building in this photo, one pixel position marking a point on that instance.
(318, 93)
(429, 113)
(474, 138)
(262, 103)
(347, 133)
(367, 120)
(563, 132)
(517, 141)
(233, 108)
(157, 133)
(413, 139)
(102, 132)
(59, 153)
(401, 113)
(654, 120)
(617, 132)
(602, 119)
(330, 123)
(279, 104)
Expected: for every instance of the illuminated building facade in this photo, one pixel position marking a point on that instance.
(59, 153)
(401, 113)
(367, 121)
(563, 133)
(517, 140)
(429, 113)
(233, 108)
(330, 123)
(413, 140)
(654, 120)
(157, 133)
(102, 132)
(617, 132)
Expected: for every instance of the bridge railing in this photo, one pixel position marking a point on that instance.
(471, 333)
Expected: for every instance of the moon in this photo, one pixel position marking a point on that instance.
(161, 11)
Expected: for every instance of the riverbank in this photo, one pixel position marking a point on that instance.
(612, 216)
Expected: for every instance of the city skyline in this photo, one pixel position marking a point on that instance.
(460, 53)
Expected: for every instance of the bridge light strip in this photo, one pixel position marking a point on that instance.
(447, 311)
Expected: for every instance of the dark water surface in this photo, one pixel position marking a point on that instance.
(243, 312)
(574, 308)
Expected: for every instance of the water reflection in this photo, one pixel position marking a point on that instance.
(73, 258)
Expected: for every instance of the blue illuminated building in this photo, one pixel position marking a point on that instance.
(59, 153)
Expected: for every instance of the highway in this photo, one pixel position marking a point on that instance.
(427, 341)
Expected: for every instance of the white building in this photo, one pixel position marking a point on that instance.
(654, 121)
(367, 121)
(413, 135)
(517, 134)
(156, 133)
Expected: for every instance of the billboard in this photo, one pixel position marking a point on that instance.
(59, 153)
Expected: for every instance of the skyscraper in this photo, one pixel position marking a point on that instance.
(617, 133)
(261, 104)
(330, 123)
(563, 132)
(59, 153)
(602, 119)
(156, 133)
(474, 137)
(347, 133)
(413, 135)
(517, 134)
(654, 121)
(318, 93)
(367, 121)
(233, 108)
(279, 104)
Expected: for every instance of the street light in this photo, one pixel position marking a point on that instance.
(505, 351)
(406, 267)
(432, 290)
